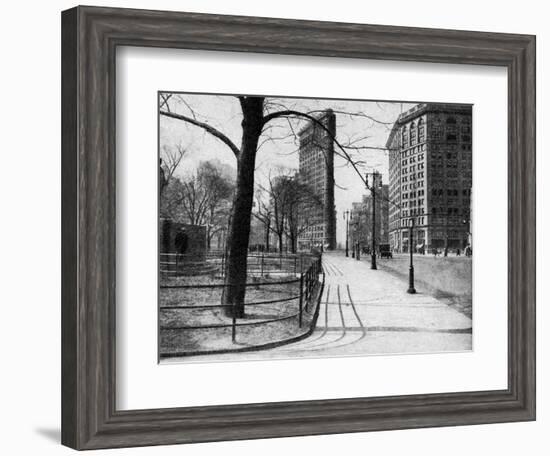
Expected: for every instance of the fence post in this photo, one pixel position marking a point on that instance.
(308, 279)
(233, 323)
(301, 299)
(262, 265)
(311, 282)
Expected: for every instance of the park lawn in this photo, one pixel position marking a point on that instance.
(174, 339)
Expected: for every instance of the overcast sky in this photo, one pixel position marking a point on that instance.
(278, 146)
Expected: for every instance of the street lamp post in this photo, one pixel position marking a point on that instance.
(346, 217)
(354, 222)
(375, 182)
(411, 289)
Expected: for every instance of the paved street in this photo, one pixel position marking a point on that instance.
(369, 312)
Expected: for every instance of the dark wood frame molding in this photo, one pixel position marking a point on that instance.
(90, 36)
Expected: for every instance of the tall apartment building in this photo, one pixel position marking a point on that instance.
(430, 177)
(316, 169)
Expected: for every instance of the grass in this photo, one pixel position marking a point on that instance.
(189, 313)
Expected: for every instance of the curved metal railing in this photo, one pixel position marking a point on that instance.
(298, 296)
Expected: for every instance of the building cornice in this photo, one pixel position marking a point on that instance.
(423, 108)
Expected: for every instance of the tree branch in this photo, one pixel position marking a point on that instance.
(292, 113)
(218, 134)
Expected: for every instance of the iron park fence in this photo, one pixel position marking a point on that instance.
(190, 323)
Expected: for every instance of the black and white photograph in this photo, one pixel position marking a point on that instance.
(275, 228)
(310, 227)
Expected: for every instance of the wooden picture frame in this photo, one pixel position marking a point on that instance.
(90, 36)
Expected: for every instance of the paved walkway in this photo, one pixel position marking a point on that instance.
(366, 311)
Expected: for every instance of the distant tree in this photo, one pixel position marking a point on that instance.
(202, 198)
(283, 206)
(170, 158)
(278, 195)
(263, 213)
(299, 202)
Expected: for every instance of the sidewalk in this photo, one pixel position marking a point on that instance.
(382, 301)
(365, 311)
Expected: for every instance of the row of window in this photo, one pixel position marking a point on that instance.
(413, 186)
(414, 133)
(450, 210)
(406, 223)
(413, 203)
(412, 212)
(452, 137)
(413, 176)
(413, 194)
(414, 150)
(450, 192)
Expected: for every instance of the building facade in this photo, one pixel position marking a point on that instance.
(430, 177)
(361, 220)
(316, 169)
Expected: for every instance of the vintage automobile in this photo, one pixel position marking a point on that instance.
(385, 251)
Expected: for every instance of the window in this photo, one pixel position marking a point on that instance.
(451, 120)
(451, 137)
(405, 137)
(421, 131)
(412, 133)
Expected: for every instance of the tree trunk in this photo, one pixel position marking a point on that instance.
(292, 242)
(239, 229)
(280, 236)
(267, 228)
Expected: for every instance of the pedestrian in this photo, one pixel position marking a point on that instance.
(458, 252)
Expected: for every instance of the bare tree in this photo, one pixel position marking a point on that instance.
(220, 188)
(257, 114)
(170, 158)
(264, 214)
(299, 202)
(202, 198)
